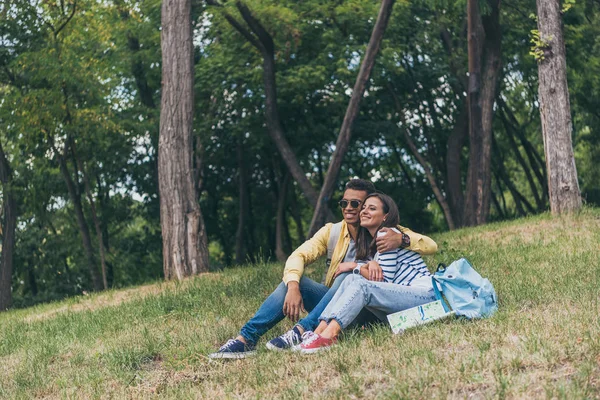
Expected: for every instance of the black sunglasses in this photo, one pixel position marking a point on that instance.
(353, 203)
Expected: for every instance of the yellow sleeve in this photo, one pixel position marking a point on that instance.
(307, 253)
(420, 243)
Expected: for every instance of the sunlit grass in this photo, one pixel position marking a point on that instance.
(152, 341)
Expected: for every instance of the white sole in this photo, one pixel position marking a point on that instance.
(274, 348)
(231, 356)
(311, 351)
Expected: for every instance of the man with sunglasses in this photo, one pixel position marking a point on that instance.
(297, 292)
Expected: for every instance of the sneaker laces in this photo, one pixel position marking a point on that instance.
(290, 337)
(308, 337)
(227, 345)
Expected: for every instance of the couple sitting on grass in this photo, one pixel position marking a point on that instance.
(375, 269)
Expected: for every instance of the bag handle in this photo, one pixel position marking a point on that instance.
(441, 267)
(438, 294)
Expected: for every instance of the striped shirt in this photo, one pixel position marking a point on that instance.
(403, 267)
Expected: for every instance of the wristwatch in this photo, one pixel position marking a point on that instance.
(405, 240)
(356, 269)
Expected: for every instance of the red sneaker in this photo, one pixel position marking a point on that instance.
(315, 343)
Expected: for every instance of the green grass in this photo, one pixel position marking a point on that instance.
(152, 341)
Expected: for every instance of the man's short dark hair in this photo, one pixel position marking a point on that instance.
(361, 185)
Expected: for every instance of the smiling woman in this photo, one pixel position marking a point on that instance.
(382, 283)
(379, 211)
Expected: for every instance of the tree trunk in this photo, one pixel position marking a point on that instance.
(526, 168)
(503, 175)
(88, 191)
(280, 229)
(454, 184)
(9, 224)
(432, 182)
(244, 205)
(439, 196)
(185, 249)
(295, 212)
(262, 40)
(343, 140)
(555, 111)
(484, 69)
(535, 160)
(496, 204)
(81, 222)
(103, 199)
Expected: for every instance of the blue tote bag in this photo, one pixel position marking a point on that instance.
(466, 291)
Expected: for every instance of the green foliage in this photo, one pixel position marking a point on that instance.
(567, 5)
(96, 84)
(539, 45)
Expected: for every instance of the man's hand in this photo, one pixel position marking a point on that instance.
(388, 242)
(375, 272)
(344, 267)
(293, 304)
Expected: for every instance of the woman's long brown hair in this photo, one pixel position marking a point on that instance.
(365, 243)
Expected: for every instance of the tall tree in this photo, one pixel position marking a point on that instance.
(256, 34)
(484, 68)
(343, 140)
(185, 250)
(9, 223)
(555, 110)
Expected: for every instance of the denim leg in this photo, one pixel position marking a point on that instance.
(310, 322)
(271, 310)
(381, 298)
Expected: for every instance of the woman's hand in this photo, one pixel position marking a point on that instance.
(344, 267)
(375, 271)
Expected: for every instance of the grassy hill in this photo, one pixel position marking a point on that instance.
(152, 341)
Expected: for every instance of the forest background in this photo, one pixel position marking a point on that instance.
(80, 85)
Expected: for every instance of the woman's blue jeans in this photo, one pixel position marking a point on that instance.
(381, 298)
(315, 296)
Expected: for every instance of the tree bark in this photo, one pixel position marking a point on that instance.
(262, 40)
(555, 111)
(400, 161)
(535, 160)
(454, 184)
(503, 175)
(343, 140)
(295, 212)
(88, 191)
(484, 68)
(281, 227)
(434, 186)
(439, 196)
(496, 204)
(84, 229)
(185, 248)
(526, 168)
(244, 206)
(9, 224)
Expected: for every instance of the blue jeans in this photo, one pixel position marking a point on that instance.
(315, 297)
(381, 298)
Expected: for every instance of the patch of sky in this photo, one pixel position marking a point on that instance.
(354, 61)
(200, 36)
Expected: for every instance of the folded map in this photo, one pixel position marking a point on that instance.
(417, 316)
